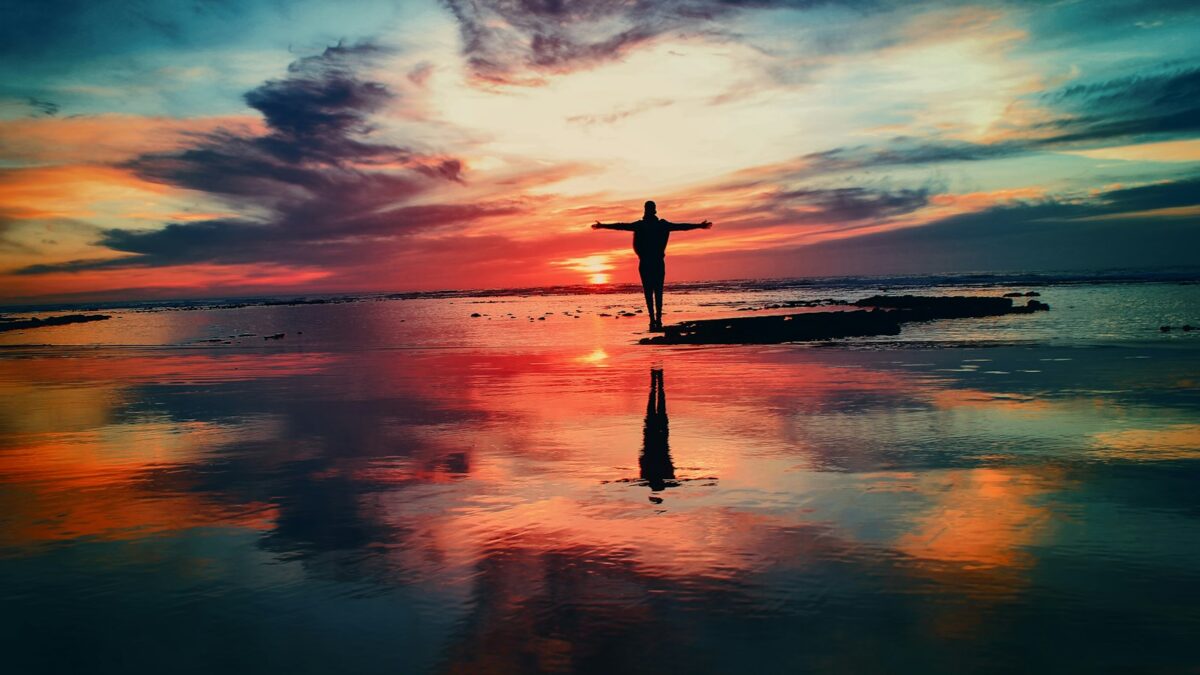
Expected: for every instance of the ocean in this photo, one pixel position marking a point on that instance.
(506, 481)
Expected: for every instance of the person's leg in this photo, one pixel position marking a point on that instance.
(648, 290)
(658, 293)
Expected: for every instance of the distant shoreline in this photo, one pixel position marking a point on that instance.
(880, 283)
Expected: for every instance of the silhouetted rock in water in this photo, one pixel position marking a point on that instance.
(1030, 307)
(886, 315)
(1014, 294)
(1187, 327)
(1165, 329)
(19, 324)
(475, 315)
(951, 307)
(276, 336)
(781, 328)
(796, 303)
(1032, 294)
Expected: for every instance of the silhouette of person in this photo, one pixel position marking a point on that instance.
(655, 461)
(650, 236)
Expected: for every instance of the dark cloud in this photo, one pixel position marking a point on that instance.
(1139, 106)
(904, 150)
(521, 41)
(327, 189)
(232, 241)
(42, 107)
(1109, 230)
(850, 204)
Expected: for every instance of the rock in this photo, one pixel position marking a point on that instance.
(885, 316)
(475, 315)
(922, 308)
(1014, 294)
(1165, 329)
(1187, 327)
(17, 324)
(1033, 294)
(781, 328)
(276, 336)
(1030, 307)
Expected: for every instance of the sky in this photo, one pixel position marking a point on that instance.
(198, 148)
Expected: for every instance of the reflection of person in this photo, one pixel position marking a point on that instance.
(650, 236)
(655, 462)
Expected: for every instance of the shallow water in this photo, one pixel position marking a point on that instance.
(402, 488)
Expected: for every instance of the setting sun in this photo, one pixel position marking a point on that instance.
(596, 268)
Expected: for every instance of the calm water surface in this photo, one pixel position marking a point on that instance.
(398, 487)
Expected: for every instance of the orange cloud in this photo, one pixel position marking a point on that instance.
(109, 138)
(185, 278)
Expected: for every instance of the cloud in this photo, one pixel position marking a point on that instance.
(42, 107)
(905, 150)
(1109, 230)
(1130, 109)
(519, 42)
(1152, 104)
(857, 203)
(621, 113)
(326, 188)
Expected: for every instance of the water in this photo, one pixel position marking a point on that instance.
(395, 486)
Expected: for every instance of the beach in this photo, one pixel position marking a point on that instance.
(509, 482)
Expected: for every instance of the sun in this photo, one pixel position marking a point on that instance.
(596, 267)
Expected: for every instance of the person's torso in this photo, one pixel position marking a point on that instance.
(650, 238)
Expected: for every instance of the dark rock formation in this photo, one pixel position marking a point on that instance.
(885, 316)
(781, 328)
(922, 308)
(18, 324)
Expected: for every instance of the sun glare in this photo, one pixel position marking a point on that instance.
(595, 358)
(595, 267)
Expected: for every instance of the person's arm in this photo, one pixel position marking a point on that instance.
(627, 227)
(679, 227)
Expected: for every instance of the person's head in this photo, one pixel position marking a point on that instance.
(651, 209)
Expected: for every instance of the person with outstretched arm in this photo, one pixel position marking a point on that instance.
(650, 236)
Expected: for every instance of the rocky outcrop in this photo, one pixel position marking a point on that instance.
(881, 315)
(34, 322)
